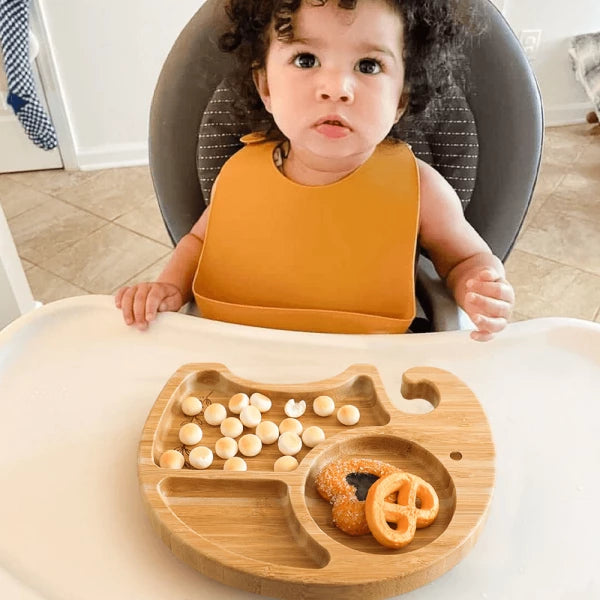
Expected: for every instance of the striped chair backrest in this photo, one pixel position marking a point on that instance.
(448, 142)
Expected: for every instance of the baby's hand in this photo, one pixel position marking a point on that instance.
(140, 303)
(488, 300)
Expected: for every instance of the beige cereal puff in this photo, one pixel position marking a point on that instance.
(249, 445)
(190, 434)
(268, 432)
(171, 459)
(191, 406)
(323, 406)
(235, 464)
(250, 416)
(290, 424)
(348, 415)
(237, 402)
(215, 413)
(232, 427)
(201, 457)
(289, 443)
(260, 401)
(226, 447)
(285, 463)
(312, 436)
(294, 409)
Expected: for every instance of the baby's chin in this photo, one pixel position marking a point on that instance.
(320, 169)
(334, 151)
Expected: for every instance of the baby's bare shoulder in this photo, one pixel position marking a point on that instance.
(437, 197)
(434, 185)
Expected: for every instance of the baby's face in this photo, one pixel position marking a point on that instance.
(335, 90)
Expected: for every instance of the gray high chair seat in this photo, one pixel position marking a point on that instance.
(505, 119)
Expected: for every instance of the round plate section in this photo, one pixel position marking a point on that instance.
(399, 452)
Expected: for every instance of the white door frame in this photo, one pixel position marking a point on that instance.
(15, 293)
(48, 72)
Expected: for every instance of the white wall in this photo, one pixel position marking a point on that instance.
(563, 97)
(107, 56)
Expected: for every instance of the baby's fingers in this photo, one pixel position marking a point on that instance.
(162, 298)
(486, 324)
(484, 305)
(481, 336)
(139, 305)
(157, 299)
(173, 301)
(124, 301)
(488, 274)
(487, 327)
(489, 315)
(119, 296)
(501, 289)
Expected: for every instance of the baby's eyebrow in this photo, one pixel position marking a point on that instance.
(368, 48)
(304, 41)
(365, 48)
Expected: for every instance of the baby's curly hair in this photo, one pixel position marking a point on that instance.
(434, 36)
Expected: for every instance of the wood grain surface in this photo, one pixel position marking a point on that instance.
(271, 533)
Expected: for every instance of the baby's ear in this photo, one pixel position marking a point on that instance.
(262, 86)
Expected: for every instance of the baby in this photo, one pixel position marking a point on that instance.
(315, 224)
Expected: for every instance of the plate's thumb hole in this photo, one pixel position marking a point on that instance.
(418, 398)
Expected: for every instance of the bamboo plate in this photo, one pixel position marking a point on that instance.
(271, 533)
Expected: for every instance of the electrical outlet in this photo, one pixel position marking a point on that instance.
(530, 40)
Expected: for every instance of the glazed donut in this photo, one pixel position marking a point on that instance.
(403, 512)
(344, 483)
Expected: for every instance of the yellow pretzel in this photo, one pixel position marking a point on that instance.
(404, 512)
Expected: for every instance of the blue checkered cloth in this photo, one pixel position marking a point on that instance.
(22, 95)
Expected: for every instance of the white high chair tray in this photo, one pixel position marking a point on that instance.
(77, 385)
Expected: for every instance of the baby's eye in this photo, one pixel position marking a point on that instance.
(306, 60)
(369, 66)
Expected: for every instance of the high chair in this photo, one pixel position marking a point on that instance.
(499, 116)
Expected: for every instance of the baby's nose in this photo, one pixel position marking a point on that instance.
(342, 97)
(337, 87)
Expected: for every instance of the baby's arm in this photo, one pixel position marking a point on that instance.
(173, 288)
(473, 274)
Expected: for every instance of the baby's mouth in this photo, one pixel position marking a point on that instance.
(333, 121)
(332, 127)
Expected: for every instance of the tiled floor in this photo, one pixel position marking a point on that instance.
(92, 232)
